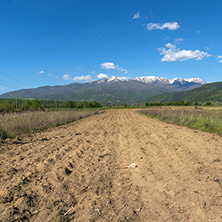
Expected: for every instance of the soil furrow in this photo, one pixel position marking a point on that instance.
(78, 172)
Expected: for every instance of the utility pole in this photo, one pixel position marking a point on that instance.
(16, 101)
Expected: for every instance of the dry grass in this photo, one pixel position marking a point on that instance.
(16, 124)
(206, 120)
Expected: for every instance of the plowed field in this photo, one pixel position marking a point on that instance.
(78, 172)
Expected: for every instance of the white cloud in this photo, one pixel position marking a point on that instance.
(171, 46)
(102, 76)
(107, 65)
(79, 68)
(41, 72)
(77, 78)
(2, 88)
(121, 69)
(168, 25)
(93, 72)
(208, 48)
(82, 78)
(171, 54)
(50, 74)
(178, 40)
(66, 77)
(219, 58)
(110, 65)
(137, 15)
(198, 31)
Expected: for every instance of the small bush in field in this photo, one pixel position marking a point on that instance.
(3, 134)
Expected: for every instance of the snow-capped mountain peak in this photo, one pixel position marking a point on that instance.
(194, 80)
(151, 79)
(154, 80)
(112, 79)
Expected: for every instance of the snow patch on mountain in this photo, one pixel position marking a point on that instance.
(153, 80)
(194, 80)
(113, 79)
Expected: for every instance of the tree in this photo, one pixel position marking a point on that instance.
(208, 103)
(187, 103)
(70, 104)
(86, 104)
(36, 105)
(7, 106)
(79, 105)
(196, 104)
(181, 103)
(26, 105)
(96, 104)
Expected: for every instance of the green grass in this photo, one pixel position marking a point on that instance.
(205, 120)
(14, 124)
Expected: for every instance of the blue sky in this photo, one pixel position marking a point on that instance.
(57, 42)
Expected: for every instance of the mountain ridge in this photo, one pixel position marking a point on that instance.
(150, 79)
(209, 92)
(110, 90)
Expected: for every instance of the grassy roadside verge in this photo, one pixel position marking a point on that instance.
(205, 120)
(14, 124)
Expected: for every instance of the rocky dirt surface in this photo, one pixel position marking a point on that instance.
(78, 172)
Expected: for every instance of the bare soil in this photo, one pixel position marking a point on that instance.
(78, 172)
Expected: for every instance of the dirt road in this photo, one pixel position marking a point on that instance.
(78, 172)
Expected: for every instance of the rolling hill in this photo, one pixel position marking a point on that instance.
(210, 92)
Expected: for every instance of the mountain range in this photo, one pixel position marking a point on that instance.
(113, 90)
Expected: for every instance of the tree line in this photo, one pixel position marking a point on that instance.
(180, 103)
(10, 105)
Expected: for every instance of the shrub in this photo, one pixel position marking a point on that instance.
(3, 134)
(208, 103)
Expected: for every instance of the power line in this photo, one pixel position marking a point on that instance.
(3, 73)
(15, 79)
(9, 84)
